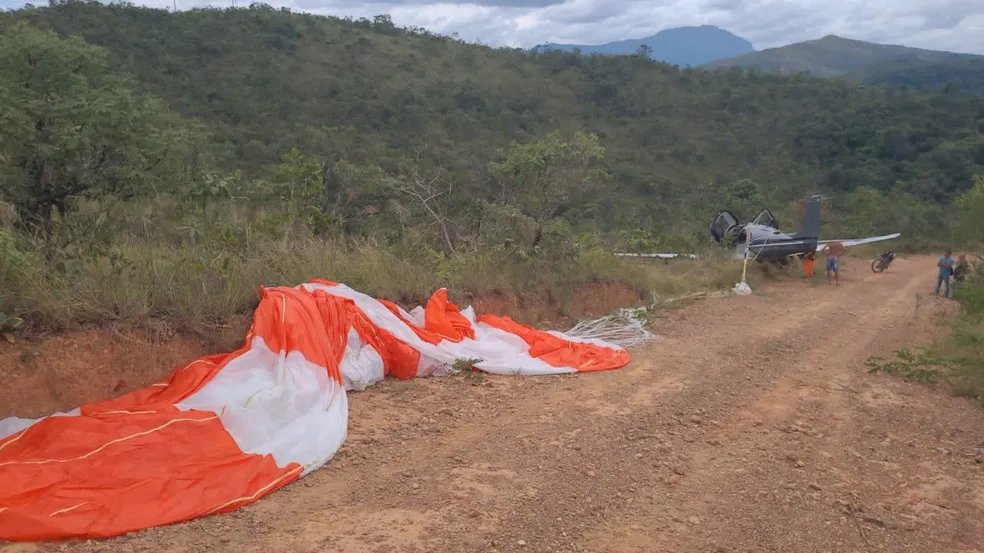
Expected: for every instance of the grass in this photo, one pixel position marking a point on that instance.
(156, 274)
(924, 365)
(958, 359)
(966, 341)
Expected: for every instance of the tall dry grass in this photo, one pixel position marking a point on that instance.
(158, 268)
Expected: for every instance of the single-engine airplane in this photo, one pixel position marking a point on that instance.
(766, 243)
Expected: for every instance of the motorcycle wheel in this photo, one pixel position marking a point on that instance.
(877, 266)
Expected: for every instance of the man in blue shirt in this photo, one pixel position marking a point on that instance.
(945, 265)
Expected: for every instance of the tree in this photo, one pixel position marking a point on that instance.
(666, 130)
(71, 128)
(971, 206)
(744, 197)
(540, 177)
(299, 181)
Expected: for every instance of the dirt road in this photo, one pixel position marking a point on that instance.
(754, 427)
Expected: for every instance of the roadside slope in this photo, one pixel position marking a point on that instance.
(754, 426)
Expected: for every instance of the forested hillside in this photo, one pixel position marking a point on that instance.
(869, 64)
(833, 56)
(965, 75)
(212, 143)
(264, 81)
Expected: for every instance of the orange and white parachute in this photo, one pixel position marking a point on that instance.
(225, 430)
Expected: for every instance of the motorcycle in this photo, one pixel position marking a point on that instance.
(883, 261)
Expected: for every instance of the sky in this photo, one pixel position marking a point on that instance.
(954, 25)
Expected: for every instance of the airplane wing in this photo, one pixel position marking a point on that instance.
(821, 244)
(659, 255)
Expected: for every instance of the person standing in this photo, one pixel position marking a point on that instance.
(960, 271)
(808, 264)
(945, 266)
(834, 251)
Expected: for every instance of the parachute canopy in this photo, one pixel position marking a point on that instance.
(225, 430)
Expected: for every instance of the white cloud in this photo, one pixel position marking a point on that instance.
(956, 25)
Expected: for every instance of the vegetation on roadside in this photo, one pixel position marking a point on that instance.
(156, 167)
(958, 359)
(923, 365)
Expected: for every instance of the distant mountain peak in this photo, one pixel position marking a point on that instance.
(836, 39)
(684, 46)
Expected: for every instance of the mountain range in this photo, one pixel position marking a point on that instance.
(831, 56)
(683, 46)
(834, 56)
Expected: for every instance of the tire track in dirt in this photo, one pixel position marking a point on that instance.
(770, 488)
(693, 447)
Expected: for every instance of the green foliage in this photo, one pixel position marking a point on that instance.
(971, 206)
(71, 127)
(19, 267)
(211, 186)
(959, 359)
(540, 176)
(486, 170)
(971, 295)
(154, 275)
(967, 338)
(744, 197)
(8, 324)
(963, 74)
(467, 368)
(266, 81)
(298, 182)
(833, 56)
(923, 366)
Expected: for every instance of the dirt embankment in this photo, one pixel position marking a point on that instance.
(59, 373)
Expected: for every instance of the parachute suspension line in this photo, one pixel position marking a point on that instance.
(744, 266)
(626, 328)
(742, 288)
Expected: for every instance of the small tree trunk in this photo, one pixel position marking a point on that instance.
(290, 217)
(47, 229)
(538, 236)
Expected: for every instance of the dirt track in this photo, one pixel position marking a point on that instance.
(754, 427)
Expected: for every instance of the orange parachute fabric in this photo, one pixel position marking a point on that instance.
(225, 430)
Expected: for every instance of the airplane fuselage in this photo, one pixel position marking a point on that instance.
(762, 237)
(769, 244)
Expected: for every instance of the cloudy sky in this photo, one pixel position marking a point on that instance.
(955, 25)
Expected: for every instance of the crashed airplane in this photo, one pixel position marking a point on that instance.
(764, 241)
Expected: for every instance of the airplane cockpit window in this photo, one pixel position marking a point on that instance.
(767, 219)
(723, 223)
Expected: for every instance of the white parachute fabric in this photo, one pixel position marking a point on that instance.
(224, 430)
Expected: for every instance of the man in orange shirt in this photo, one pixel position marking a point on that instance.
(808, 264)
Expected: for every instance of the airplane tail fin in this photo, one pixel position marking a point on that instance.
(810, 228)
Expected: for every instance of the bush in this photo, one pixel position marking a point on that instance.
(162, 268)
(966, 343)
